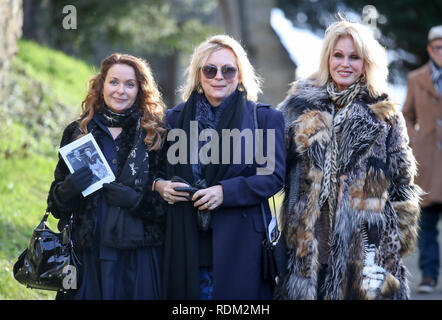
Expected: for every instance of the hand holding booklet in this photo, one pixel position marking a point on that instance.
(84, 152)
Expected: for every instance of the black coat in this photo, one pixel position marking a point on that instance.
(150, 209)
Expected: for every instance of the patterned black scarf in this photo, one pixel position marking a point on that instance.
(121, 229)
(113, 119)
(340, 100)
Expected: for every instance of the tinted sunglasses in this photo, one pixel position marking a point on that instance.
(437, 48)
(227, 71)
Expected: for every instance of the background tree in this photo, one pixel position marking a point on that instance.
(404, 24)
(158, 30)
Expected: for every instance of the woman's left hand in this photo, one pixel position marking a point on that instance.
(166, 189)
(209, 198)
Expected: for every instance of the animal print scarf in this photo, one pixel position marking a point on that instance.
(340, 101)
(342, 98)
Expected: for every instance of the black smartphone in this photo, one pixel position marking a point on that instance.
(190, 190)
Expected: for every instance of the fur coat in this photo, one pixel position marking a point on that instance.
(375, 188)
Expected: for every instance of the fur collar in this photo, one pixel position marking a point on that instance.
(308, 111)
(304, 95)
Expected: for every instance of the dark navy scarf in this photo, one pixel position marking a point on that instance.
(208, 117)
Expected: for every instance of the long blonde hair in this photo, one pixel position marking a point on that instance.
(247, 76)
(148, 99)
(367, 47)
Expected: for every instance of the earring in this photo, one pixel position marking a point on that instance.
(199, 89)
(241, 87)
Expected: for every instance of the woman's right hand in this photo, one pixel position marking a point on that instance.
(166, 189)
(75, 183)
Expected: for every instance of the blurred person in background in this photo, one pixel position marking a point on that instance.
(423, 114)
(351, 207)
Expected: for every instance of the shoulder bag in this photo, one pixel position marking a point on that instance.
(49, 262)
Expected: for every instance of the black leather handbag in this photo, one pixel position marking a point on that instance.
(49, 262)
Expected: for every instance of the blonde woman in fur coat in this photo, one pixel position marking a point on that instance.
(351, 206)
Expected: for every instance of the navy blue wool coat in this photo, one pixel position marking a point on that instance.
(238, 228)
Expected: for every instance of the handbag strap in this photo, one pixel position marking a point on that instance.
(68, 226)
(45, 217)
(264, 220)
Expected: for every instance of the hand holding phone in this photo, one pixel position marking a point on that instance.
(189, 189)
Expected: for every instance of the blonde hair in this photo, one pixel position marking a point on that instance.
(367, 47)
(247, 76)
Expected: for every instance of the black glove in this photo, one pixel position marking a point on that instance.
(119, 195)
(203, 216)
(191, 190)
(74, 184)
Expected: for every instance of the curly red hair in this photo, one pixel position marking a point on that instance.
(148, 100)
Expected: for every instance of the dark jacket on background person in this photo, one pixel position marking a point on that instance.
(150, 207)
(423, 113)
(237, 225)
(376, 189)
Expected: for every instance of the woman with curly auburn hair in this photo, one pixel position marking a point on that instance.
(148, 100)
(118, 230)
(351, 205)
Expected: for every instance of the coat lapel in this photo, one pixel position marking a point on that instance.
(426, 83)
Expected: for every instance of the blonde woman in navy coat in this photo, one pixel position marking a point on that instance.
(213, 239)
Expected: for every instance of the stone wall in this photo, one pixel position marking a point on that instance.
(11, 21)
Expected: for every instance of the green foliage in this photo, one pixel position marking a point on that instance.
(157, 27)
(63, 76)
(160, 31)
(24, 183)
(46, 89)
(45, 92)
(161, 34)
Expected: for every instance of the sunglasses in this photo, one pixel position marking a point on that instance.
(227, 71)
(437, 49)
